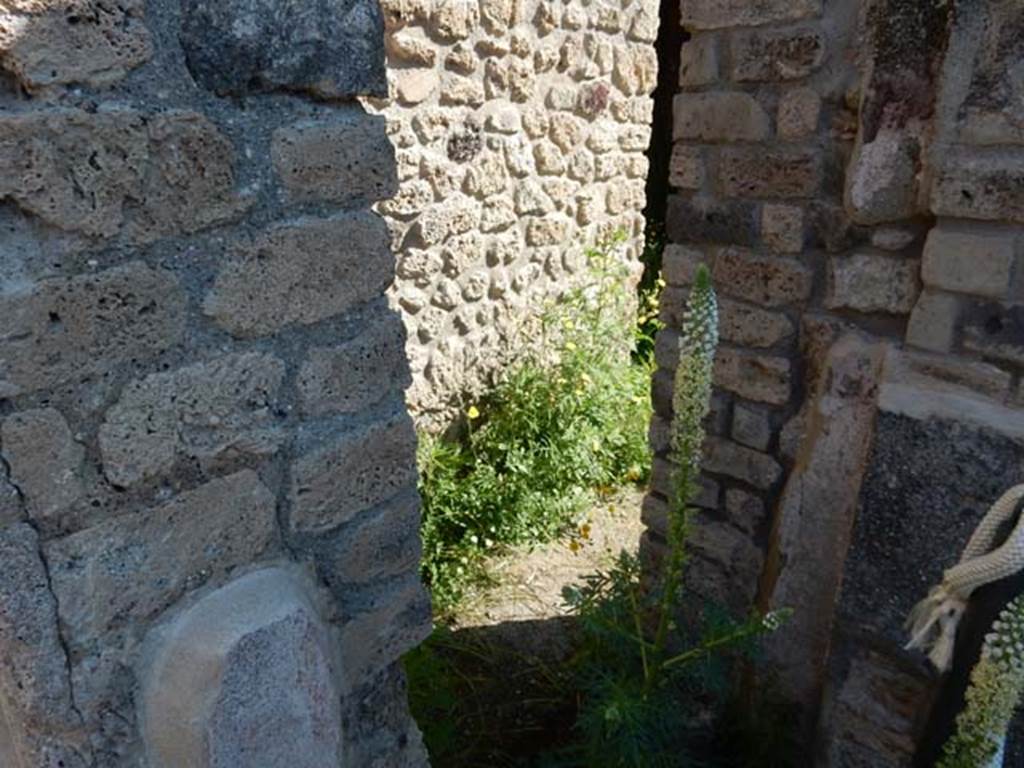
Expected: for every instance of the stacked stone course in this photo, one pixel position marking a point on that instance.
(208, 507)
(851, 173)
(521, 128)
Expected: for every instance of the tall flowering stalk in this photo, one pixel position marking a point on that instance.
(635, 708)
(691, 400)
(997, 683)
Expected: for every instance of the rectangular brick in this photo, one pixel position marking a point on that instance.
(654, 510)
(719, 116)
(866, 282)
(382, 545)
(209, 413)
(987, 187)
(782, 227)
(100, 172)
(661, 482)
(659, 435)
(745, 510)
(709, 582)
(738, 322)
(40, 723)
(762, 378)
(750, 172)
(748, 326)
(775, 54)
(666, 348)
(353, 472)
(654, 514)
(767, 280)
(661, 392)
(933, 321)
(44, 49)
(662, 385)
(751, 427)
(671, 306)
(46, 464)
(995, 330)
(396, 621)
(798, 112)
(303, 272)
(698, 61)
(724, 457)
(131, 568)
(717, 420)
(686, 167)
(701, 219)
(978, 262)
(912, 368)
(354, 375)
(66, 329)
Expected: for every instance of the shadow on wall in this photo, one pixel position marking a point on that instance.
(512, 694)
(201, 385)
(499, 695)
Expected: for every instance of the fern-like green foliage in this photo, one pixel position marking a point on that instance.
(995, 690)
(639, 699)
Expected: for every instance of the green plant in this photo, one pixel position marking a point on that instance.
(640, 686)
(648, 322)
(563, 424)
(995, 690)
(480, 701)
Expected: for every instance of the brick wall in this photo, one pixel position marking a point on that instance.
(521, 128)
(850, 172)
(208, 511)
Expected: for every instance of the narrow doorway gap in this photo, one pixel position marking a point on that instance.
(671, 37)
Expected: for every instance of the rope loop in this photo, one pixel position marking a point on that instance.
(933, 621)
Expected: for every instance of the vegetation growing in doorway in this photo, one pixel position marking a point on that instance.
(637, 691)
(566, 423)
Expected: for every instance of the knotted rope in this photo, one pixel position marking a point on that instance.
(934, 620)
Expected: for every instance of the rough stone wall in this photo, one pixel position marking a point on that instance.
(520, 128)
(208, 510)
(851, 172)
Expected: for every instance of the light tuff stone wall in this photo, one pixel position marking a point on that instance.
(521, 128)
(208, 510)
(852, 175)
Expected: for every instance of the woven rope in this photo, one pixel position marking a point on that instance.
(933, 621)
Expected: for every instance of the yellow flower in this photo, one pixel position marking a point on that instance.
(585, 531)
(473, 412)
(574, 546)
(570, 346)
